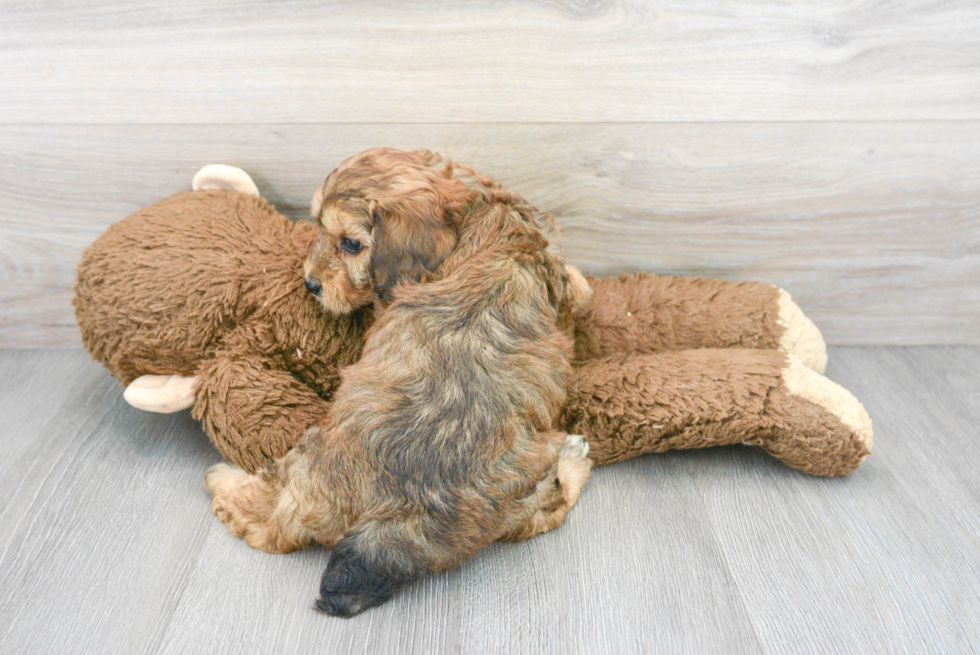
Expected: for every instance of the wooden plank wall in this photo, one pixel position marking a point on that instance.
(832, 148)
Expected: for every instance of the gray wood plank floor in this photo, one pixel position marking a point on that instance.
(107, 544)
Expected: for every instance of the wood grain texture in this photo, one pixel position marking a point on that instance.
(875, 553)
(487, 61)
(874, 229)
(107, 544)
(70, 580)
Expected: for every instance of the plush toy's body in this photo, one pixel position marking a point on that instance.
(209, 285)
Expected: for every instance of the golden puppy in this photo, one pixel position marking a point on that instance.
(442, 438)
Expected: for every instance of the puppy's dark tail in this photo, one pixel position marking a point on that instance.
(355, 581)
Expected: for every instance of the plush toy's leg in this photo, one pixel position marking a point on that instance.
(648, 313)
(252, 411)
(221, 176)
(713, 397)
(163, 394)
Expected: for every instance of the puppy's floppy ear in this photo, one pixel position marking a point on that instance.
(401, 252)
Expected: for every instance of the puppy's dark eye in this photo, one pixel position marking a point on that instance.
(350, 245)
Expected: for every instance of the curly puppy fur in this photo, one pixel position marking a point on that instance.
(442, 437)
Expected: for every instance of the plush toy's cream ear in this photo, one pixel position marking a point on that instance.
(581, 291)
(220, 176)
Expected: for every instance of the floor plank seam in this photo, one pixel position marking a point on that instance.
(724, 555)
(184, 582)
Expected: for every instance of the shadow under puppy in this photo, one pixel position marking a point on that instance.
(441, 438)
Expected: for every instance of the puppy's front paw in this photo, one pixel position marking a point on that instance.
(223, 478)
(225, 482)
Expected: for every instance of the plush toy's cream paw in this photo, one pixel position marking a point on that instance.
(804, 382)
(221, 176)
(163, 394)
(801, 337)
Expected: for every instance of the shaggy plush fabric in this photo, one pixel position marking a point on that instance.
(647, 313)
(632, 405)
(210, 284)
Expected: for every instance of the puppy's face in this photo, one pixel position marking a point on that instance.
(338, 269)
(385, 217)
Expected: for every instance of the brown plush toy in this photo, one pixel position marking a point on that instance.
(198, 300)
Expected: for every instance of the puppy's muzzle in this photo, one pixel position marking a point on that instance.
(313, 286)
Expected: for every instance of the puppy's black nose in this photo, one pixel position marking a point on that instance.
(313, 286)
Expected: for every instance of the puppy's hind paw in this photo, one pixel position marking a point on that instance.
(573, 467)
(575, 446)
(580, 289)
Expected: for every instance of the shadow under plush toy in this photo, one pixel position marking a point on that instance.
(199, 300)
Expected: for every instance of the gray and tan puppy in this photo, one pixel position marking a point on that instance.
(442, 438)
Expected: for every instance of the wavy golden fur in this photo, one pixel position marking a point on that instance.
(442, 438)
